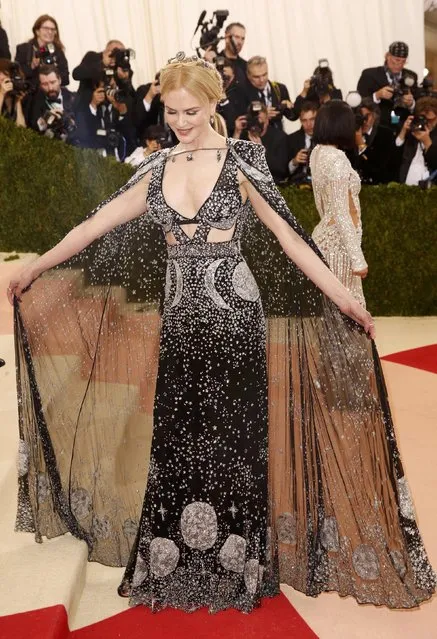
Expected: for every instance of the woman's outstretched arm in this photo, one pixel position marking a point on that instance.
(121, 209)
(306, 259)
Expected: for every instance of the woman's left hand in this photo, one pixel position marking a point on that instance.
(358, 313)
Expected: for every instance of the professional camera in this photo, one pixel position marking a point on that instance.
(113, 139)
(19, 84)
(46, 54)
(122, 58)
(118, 92)
(401, 89)
(419, 123)
(426, 89)
(57, 126)
(321, 80)
(253, 124)
(209, 35)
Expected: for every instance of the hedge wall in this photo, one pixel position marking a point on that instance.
(47, 187)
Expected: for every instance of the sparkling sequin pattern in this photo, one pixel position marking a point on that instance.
(336, 235)
(220, 374)
(203, 527)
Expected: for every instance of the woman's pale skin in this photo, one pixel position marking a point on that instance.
(189, 118)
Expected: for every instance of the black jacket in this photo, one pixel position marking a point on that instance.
(4, 45)
(375, 78)
(277, 156)
(24, 55)
(379, 162)
(39, 106)
(409, 151)
(279, 92)
(142, 118)
(88, 127)
(295, 143)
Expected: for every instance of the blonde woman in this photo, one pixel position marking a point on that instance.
(259, 470)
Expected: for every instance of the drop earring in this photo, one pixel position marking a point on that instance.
(211, 121)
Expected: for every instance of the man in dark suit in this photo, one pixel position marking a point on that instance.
(147, 109)
(274, 140)
(299, 144)
(104, 124)
(419, 143)
(53, 97)
(273, 94)
(235, 36)
(391, 86)
(379, 158)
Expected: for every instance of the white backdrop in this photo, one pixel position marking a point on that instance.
(292, 34)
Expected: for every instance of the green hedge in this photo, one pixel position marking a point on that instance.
(47, 187)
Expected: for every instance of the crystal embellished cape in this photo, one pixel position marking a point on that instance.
(340, 514)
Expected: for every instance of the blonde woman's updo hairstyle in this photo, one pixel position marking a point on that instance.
(197, 76)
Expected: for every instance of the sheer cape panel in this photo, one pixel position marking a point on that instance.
(87, 346)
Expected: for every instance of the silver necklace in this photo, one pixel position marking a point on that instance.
(190, 156)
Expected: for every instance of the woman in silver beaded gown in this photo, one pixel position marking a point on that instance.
(336, 189)
(255, 407)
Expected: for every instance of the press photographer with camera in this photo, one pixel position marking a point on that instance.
(12, 92)
(273, 94)
(104, 123)
(235, 36)
(147, 108)
(113, 61)
(52, 106)
(299, 144)
(44, 48)
(378, 157)
(155, 138)
(319, 88)
(254, 126)
(418, 137)
(392, 86)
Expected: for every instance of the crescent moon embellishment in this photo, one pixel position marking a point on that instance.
(210, 285)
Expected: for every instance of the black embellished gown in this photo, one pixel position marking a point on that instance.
(203, 529)
(255, 411)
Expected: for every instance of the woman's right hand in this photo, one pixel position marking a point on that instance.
(6, 86)
(20, 284)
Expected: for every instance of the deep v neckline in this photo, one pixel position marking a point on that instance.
(185, 217)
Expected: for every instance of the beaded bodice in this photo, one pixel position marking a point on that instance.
(222, 209)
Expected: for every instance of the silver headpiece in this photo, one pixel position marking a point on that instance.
(181, 57)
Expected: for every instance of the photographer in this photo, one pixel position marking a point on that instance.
(51, 109)
(44, 48)
(254, 126)
(12, 92)
(235, 102)
(273, 94)
(235, 36)
(299, 144)
(418, 137)
(104, 123)
(391, 86)
(113, 61)
(320, 88)
(155, 139)
(148, 109)
(378, 159)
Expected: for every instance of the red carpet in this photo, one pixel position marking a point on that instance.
(275, 619)
(424, 358)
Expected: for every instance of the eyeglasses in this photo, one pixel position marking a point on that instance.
(48, 29)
